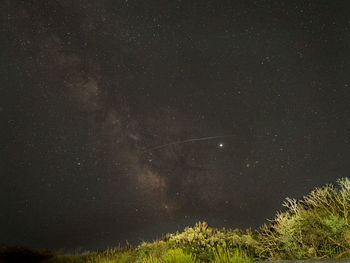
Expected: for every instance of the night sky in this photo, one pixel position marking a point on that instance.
(106, 108)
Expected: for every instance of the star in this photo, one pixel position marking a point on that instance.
(221, 145)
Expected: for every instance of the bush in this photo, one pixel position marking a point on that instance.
(314, 227)
(150, 250)
(202, 240)
(199, 240)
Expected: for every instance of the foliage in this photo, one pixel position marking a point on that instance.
(199, 240)
(314, 227)
(155, 249)
(202, 240)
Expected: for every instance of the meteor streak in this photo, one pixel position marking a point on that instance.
(186, 141)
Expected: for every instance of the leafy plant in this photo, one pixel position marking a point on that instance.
(199, 240)
(314, 227)
(202, 240)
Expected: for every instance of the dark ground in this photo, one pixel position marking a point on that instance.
(22, 255)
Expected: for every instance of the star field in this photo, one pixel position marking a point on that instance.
(104, 106)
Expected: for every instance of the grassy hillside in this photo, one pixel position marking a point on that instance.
(317, 226)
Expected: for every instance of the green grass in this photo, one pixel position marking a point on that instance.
(172, 256)
(115, 255)
(315, 227)
(110, 257)
(223, 255)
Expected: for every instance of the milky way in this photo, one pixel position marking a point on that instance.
(106, 103)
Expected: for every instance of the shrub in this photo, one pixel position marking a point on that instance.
(199, 240)
(202, 240)
(314, 227)
(150, 250)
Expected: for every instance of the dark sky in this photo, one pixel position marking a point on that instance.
(89, 88)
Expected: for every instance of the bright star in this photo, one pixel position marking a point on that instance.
(221, 145)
